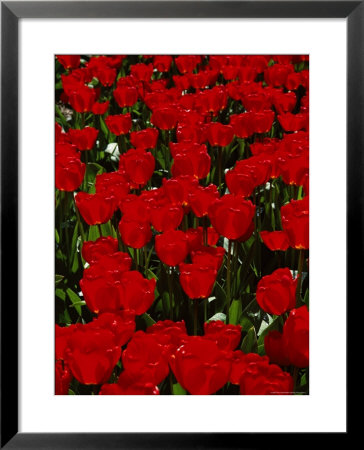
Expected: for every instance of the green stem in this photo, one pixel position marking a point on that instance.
(170, 291)
(80, 226)
(301, 258)
(99, 228)
(228, 281)
(195, 316)
(219, 163)
(205, 235)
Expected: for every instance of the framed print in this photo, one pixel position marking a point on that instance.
(156, 165)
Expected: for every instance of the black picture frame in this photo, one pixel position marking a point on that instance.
(11, 12)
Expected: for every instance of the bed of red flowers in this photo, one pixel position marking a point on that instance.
(182, 224)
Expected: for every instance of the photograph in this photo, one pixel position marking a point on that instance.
(181, 215)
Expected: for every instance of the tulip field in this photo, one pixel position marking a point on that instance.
(181, 225)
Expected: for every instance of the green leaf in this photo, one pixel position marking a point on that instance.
(61, 294)
(59, 278)
(148, 320)
(274, 325)
(178, 390)
(76, 301)
(235, 312)
(306, 299)
(104, 128)
(93, 233)
(245, 324)
(218, 316)
(250, 344)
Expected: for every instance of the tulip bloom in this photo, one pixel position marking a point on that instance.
(265, 379)
(144, 139)
(125, 96)
(92, 251)
(166, 217)
(241, 361)
(275, 348)
(134, 233)
(63, 377)
(139, 165)
(201, 198)
(295, 222)
(276, 293)
(92, 354)
(69, 61)
(219, 135)
(231, 215)
(145, 356)
(296, 337)
(227, 337)
(130, 384)
(165, 118)
(83, 139)
(196, 280)
(275, 240)
(171, 247)
(69, 173)
(201, 367)
(119, 124)
(136, 292)
(95, 208)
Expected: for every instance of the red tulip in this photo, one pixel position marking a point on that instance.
(162, 63)
(187, 63)
(142, 72)
(139, 165)
(169, 334)
(69, 173)
(83, 139)
(231, 215)
(241, 361)
(171, 247)
(165, 118)
(275, 348)
(293, 122)
(262, 378)
(145, 357)
(277, 74)
(113, 184)
(295, 222)
(201, 198)
(227, 337)
(197, 281)
(82, 99)
(178, 189)
(100, 108)
(208, 257)
(201, 367)
(134, 233)
(219, 135)
(194, 163)
(92, 251)
(196, 239)
(296, 336)
(125, 96)
(130, 384)
(69, 61)
(276, 293)
(136, 292)
(95, 208)
(63, 377)
(144, 139)
(166, 217)
(275, 240)
(100, 284)
(121, 324)
(119, 124)
(92, 354)
(61, 340)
